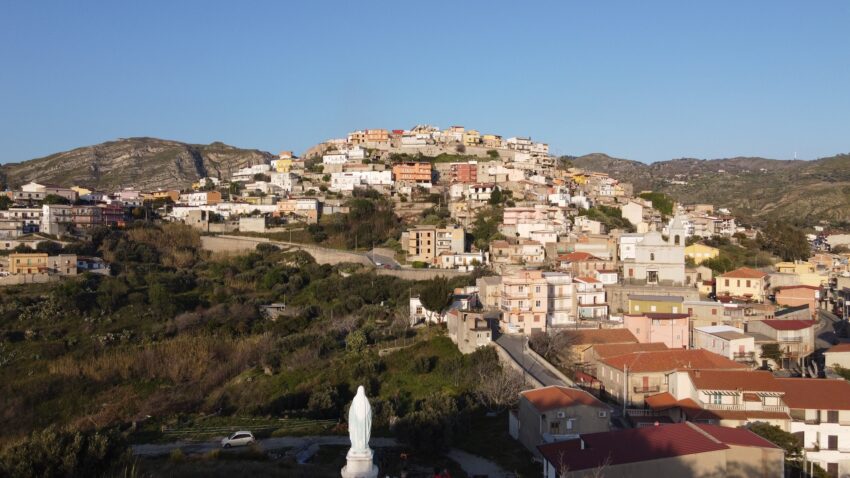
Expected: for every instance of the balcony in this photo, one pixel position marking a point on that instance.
(790, 340)
(647, 389)
(745, 356)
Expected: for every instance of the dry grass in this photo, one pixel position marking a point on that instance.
(203, 359)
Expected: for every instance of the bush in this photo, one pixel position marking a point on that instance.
(176, 455)
(423, 364)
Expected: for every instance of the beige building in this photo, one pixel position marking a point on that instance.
(426, 243)
(554, 413)
(744, 284)
(27, 263)
(469, 330)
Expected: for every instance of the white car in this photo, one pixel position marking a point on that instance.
(241, 438)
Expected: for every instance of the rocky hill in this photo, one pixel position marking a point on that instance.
(804, 192)
(146, 163)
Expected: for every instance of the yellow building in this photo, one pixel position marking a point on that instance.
(659, 304)
(27, 262)
(426, 243)
(283, 165)
(81, 191)
(579, 178)
(491, 141)
(471, 138)
(701, 253)
(798, 267)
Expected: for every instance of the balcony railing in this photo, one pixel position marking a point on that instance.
(743, 355)
(742, 407)
(647, 389)
(791, 340)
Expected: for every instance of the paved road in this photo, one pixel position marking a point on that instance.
(381, 259)
(514, 345)
(825, 330)
(158, 449)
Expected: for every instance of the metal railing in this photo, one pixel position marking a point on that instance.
(647, 389)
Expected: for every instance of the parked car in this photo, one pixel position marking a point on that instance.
(241, 438)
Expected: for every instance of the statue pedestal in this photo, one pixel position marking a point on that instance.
(359, 465)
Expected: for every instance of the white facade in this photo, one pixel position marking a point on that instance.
(561, 293)
(347, 181)
(726, 341)
(465, 261)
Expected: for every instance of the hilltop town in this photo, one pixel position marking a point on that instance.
(595, 312)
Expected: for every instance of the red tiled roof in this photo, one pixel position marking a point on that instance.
(815, 393)
(578, 256)
(612, 350)
(673, 359)
(845, 347)
(604, 336)
(552, 397)
(798, 286)
(744, 273)
(588, 280)
(630, 446)
(748, 380)
(779, 324)
(735, 436)
(661, 401)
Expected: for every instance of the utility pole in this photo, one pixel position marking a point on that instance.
(625, 389)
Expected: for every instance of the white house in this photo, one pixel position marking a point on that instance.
(725, 340)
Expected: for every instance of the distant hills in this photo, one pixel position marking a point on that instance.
(146, 163)
(802, 192)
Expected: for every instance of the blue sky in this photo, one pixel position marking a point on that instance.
(648, 80)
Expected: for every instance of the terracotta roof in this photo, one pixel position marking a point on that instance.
(673, 359)
(845, 347)
(612, 350)
(694, 413)
(630, 446)
(552, 397)
(735, 436)
(815, 393)
(661, 401)
(748, 380)
(604, 336)
(798, 286)
(588, 280)
(744, 273)
(578, 256)
(788, 324)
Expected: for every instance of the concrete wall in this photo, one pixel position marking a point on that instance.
(244, 244)
(420, 274)
(27, 279)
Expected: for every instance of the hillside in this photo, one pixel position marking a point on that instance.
(146, 163)
(804, 192)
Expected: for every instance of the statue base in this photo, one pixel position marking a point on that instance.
(359, 465)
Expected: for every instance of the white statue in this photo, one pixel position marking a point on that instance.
(360, 423)
(359, 458)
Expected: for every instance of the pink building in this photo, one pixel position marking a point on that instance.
(670, 329)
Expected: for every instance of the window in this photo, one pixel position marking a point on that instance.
(537, 303)
(716, 398)
(652, 308)
(713, 311)
(748, 283)
(727, 282)
(652, 256)
(832, 442)
(637, 307)
(832, 416)
(537, 289)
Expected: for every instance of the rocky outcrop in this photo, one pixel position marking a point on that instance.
(145, 163)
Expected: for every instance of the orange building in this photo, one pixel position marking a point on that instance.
(465, 172)
(377, 136)
(797, 295)
(27, 263)
(412, 172)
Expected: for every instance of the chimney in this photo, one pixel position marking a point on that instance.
(696, 373)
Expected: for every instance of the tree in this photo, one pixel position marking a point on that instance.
(50, 247)
(496, 197)
(436, 295)
(54, 453)
(556, 347)
(55, 199)
(784, 240)
(660, 202)
(497, 388)
(5, 202)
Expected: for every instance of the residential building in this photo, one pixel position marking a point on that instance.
(561, 309)
(427, 243)
(87, 216)
(201, 198)
(412, 172)
(837, 355)
(302, 208)
(673, 330)
(471, 137)
(795, 338)
(464, 172)
(27, 263)
(62, 264)
(682, 450)
(584, 264)
(730, 342)
(590, 299)
(797, 295)
(554, 413)
(700, 253)
(469, 330)
(523, 252)
(465, 261)
(56, 219)
(525, 302)
(744, 284)
(820, 419)
(377, 136)
(632, 377)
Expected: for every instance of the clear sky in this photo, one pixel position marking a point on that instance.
(645, 80)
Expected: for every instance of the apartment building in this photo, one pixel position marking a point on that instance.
(470, 331)
(27, 263)
(304, 208)
(464, 172)
(201, 198)
(523, 252)
(533, 300)
(795, 338)
(590, 299)
(730, 342)
(418, 172)
(427, 243)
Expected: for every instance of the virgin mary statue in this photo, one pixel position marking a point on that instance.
(360, 423)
